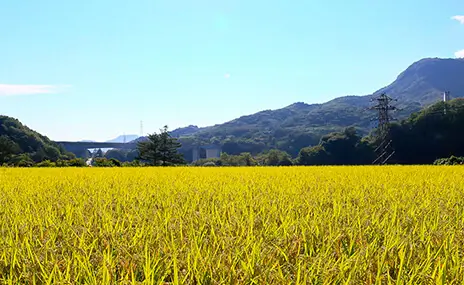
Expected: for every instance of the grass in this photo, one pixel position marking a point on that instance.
(313, 225)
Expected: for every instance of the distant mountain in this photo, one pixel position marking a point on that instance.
(123, 138)
(179, 132)
(300, 124)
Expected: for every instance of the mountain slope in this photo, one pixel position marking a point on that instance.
(425, 81)
(300, 124)
(22, 140)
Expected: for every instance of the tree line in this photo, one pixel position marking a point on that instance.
(430, 136)
(424, 138)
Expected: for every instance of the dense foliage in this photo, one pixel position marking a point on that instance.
(273, 157)
(453, 160)
(22, 146)
(430, 134)
(341, 148)
(122, 155)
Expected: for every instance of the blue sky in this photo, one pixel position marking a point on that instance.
(86, 69)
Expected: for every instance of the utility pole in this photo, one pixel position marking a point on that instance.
(141, 128)
(383, 107)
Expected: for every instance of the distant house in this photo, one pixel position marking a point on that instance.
(206, 151)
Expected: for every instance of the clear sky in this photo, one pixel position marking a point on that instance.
(76, 70)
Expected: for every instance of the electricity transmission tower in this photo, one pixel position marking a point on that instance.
(383, 107)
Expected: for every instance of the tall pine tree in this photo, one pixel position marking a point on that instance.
(149, 150)
(161, 149)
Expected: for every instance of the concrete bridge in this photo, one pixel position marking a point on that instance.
(81, 147)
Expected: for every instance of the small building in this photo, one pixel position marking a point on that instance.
(206, 151)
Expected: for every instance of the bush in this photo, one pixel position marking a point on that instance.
(210, 161)
(46, 163)
(453, 160)
(135, 163)
(22, 160)
(116, 162)
(76, 162)
(103, 162)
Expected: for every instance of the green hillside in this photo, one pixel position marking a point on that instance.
(21, 145)
(430, 134)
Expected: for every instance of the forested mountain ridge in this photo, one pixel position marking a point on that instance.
(300, 124)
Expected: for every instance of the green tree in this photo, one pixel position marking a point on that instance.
(104, 162)
(160, 149)
(315, 155)
(429, 134)
(276, 157)
(247, 159)
(341, 148)
(169, 149)
(118, 154)
(149, 149)
(7, 149)
(22, 160)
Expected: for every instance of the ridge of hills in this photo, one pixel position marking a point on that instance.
(290, 128)
(299, 125)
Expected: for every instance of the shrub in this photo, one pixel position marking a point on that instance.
(453, 160)
(46, 163)
(76, 162)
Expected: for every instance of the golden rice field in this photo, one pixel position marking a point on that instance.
(313, 225)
